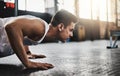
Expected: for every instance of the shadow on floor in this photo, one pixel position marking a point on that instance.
(15, 70)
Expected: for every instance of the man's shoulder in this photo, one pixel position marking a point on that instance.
(27, 16)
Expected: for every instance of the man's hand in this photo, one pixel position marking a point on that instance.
(41, 66)
(34, 56)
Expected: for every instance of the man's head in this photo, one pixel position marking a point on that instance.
(65, 23)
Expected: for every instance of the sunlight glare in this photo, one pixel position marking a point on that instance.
(93, 9)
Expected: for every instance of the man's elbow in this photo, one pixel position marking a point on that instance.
(8, 27)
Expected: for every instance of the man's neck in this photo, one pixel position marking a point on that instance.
(51, 35)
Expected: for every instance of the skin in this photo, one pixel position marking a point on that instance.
(34, 29)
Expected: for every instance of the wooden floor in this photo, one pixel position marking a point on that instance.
(88, 58)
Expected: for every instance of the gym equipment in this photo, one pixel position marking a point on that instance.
(116, 34)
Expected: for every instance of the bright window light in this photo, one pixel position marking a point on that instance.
(85, 9)
(21, 5)
(35, 5)
(93, 9)
(67, 5)
(12, 1)
(32, 5)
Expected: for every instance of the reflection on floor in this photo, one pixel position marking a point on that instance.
(88, 58)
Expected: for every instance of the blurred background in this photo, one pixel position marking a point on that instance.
(96, 17)
(86, 55)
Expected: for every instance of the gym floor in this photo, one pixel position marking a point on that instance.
(87, 58)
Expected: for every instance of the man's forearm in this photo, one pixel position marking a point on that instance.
(15, 37)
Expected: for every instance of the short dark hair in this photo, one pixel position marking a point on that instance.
(64, 17)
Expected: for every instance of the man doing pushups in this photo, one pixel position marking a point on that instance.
(17, 33)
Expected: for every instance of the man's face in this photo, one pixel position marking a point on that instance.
(66, 32)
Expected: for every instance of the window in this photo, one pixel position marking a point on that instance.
(32, 5)
(12, 1)
(67, 5)
(93, 9)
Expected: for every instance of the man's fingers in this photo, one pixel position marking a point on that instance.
(33, 56)
(41, 66)
(30, 57)
(45, 66)
(39, 56)
(48, 65)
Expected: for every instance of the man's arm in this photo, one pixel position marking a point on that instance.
(15, 37)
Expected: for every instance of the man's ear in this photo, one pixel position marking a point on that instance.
(60, 26)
